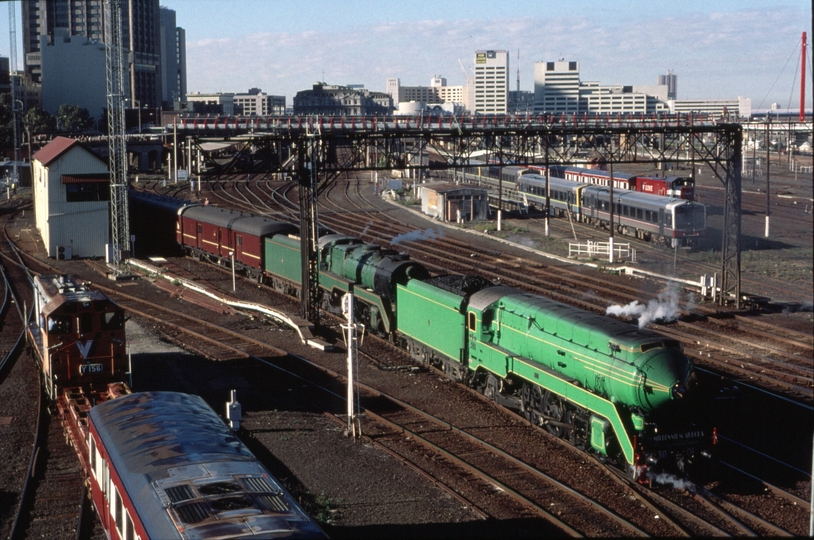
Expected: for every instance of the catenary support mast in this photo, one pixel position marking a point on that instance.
(114, 70)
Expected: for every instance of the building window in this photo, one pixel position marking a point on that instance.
(87, 192)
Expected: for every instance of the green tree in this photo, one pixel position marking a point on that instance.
(38, 121)
(72, 118)
(6, 127)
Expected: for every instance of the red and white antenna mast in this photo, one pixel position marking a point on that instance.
(803, 83)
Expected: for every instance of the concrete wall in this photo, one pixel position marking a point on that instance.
(73, 72)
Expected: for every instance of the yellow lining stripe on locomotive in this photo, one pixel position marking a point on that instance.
(624, 442)
(404, 289)
(599, 366)
(629, 380)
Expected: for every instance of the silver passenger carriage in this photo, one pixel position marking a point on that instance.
(164, 465)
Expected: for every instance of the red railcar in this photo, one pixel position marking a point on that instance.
(679, 187)
(217, 234)
(163, 465)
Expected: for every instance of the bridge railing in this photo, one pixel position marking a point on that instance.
(317, 124)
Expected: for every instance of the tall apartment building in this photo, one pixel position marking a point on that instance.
(173, 61)
(85, 18)
(671, 81)
(491, 82)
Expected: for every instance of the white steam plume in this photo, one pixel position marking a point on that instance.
(412, 236)
(664, 308)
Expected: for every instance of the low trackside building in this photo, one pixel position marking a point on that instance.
(455, 202)
(71, 187)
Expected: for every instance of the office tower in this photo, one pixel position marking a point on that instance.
(556, 87)
(491, 82)
(671, 80)
(173, 61)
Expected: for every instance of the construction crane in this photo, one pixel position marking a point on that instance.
(466, 76)
(114, 71)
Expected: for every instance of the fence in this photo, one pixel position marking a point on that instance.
(602, 249)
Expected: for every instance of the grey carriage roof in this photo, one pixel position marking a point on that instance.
(237, 221)
(166, 445)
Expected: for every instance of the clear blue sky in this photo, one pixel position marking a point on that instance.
(718, 49)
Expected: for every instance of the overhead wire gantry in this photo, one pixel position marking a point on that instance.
(326, 147)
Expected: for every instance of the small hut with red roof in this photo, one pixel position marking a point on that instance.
(71, 187)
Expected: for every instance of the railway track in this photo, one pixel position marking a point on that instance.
(407, 426)
(49, 492)
(19, 393)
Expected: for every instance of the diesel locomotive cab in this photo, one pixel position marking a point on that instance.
(78, 335)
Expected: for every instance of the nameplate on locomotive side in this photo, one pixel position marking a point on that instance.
(87, 369)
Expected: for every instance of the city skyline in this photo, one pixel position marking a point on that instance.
(720, 50)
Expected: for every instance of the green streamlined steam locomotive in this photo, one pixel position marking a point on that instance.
(625, 393)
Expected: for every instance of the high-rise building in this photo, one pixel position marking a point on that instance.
(173, 61)
(671, 81)
(85, 18)
(556, 87)
(491, 82)
(558, 90)
(5, 77)
(73, 72)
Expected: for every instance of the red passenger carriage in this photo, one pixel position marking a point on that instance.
(216, 234)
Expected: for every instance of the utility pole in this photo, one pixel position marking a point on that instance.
(610, 238)
(768, 174)
(548, 191)
(354, 427)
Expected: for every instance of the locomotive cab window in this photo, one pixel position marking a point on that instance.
(472, 321)
(112, 320)
(85, 322)
(59, 324)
